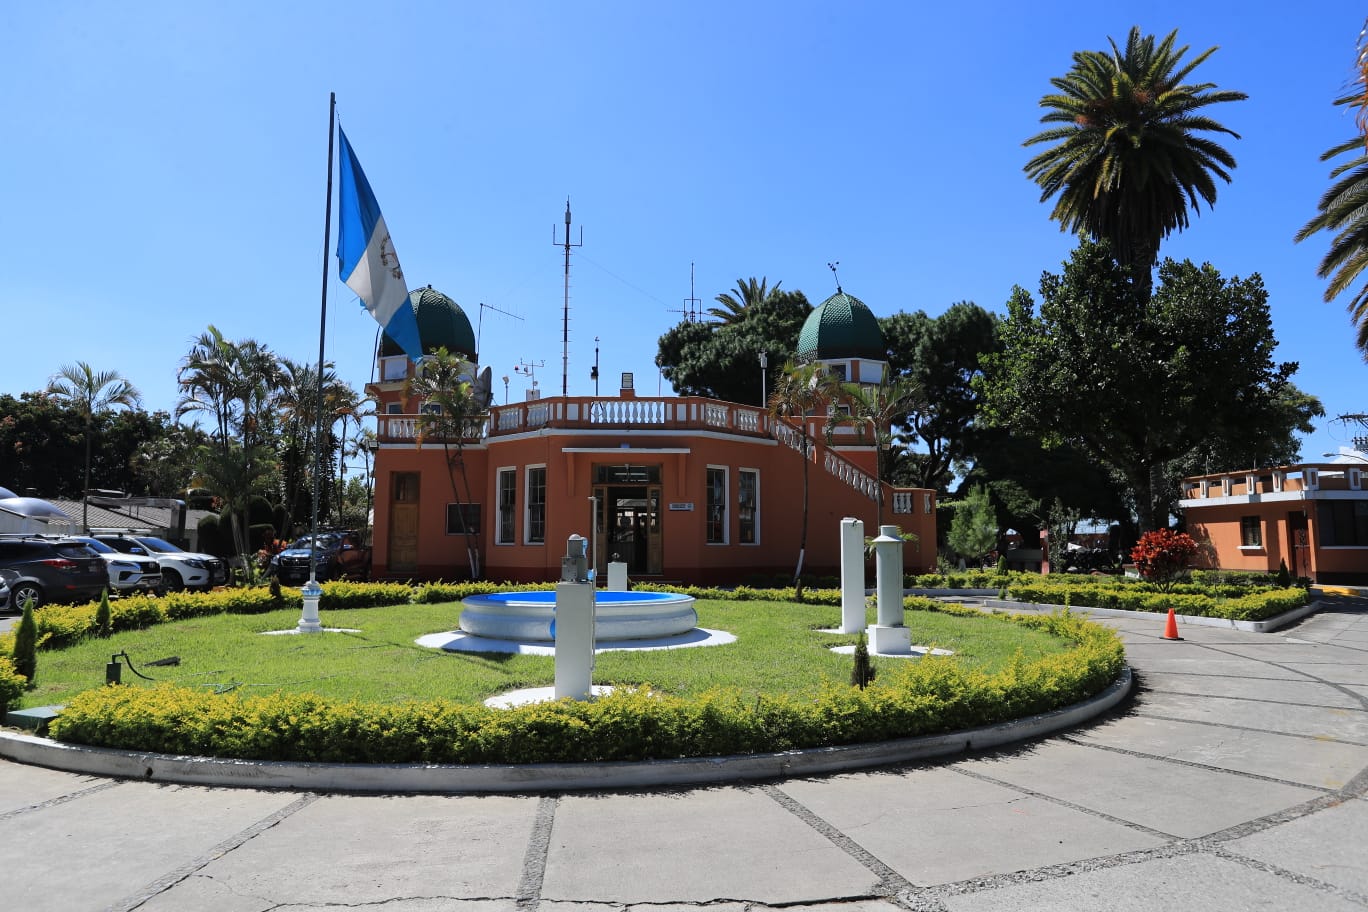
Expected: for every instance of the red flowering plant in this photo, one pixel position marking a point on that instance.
(1161, 556)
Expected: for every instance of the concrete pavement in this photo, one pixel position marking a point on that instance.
(1236, 779)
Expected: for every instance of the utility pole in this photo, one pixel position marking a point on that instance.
(565, 318)
(594, 374)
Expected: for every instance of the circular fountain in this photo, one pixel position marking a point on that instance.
(527, 616)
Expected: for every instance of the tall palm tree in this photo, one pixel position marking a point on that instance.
(878, 407)
(90, 393)
(1344, 207)
(451, 412)
(801, 390)
(1129, 152)
(747, 293)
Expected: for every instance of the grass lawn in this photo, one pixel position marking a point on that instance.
(779, 649)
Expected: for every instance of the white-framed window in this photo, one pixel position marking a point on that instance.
(748, 506)
(715, 505)
(1251, 532)
(394, 368)
(508, 504)
(535, 521)
(394, 408)
(431, 408)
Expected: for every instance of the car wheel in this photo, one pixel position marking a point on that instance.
(171, 581)
(22, 592)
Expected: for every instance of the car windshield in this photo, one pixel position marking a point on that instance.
(305, 543)
(96, 545)
(157, 544)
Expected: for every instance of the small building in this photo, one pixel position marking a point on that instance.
(681, 489)
(1313, 516)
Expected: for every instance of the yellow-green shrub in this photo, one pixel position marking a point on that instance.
(12, 684)
(1255, 605)
(914, 698)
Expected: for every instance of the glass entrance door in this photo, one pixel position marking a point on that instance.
(629, 528)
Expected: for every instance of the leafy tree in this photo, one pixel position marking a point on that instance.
(162, 466)
(1162, 555)
(721, 360)
(451, 412)
(1133, 381)
(1343, 209)
(1129, 147)
(873, 409)
(974, 530)
(800, 391)
(91, 393)
(235, 476)
(941, 355)
(748, 293)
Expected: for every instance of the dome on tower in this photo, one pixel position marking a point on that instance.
(441, 323)
(842, 327)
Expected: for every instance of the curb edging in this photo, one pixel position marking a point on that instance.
(543, 777)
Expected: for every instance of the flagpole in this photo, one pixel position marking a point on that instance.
(308, 621)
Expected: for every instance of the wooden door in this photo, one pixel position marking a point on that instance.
(404, 522)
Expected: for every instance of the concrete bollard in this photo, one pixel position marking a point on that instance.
(889, 636)
(574, 624)
(852, 576)
(617, 576)
(308, 619)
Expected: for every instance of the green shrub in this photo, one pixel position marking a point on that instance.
(102, 624)
(25, 650)
(915, 698)
(12, 685)
(1248, 603)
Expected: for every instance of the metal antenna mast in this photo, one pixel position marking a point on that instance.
(479, 327)
(691, 310)
(565, 318)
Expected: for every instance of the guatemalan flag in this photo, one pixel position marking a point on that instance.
(366, 259)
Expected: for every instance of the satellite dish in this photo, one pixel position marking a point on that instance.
(483, 393)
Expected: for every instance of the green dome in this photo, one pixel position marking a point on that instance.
(441, 322)
(843, 327)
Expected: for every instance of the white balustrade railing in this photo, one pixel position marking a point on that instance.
(628, 411)
(538, 413)
(400, 428)
(747, 419)
(860, 481)
(903, 502)
(714, 414)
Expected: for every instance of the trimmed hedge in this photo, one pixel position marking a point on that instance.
(910, 698)
(1232, 603)
(12, 684)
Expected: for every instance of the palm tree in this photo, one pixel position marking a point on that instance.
(1128, 154)
(748, 293)
(800, 390)
(1344, 208)
(91, 393)
(450, 411)
(879, 406)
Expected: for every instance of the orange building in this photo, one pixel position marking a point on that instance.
(1314, 516)
(681, 489)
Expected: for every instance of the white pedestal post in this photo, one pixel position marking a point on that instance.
(308, 621)
(889, 635)
(574, 640)
(852, 576)
(617, 576)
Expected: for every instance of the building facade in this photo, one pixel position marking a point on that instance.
(681, 489)
(1312, 516)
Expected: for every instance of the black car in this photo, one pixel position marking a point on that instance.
(52, 569)
(339, 555)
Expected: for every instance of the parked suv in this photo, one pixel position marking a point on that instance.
(127, 572)
(179, 569)
(340, 556)
(52, 569)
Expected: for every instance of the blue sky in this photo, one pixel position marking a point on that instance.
(164, 168)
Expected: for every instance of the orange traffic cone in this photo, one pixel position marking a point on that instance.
(1171, 627)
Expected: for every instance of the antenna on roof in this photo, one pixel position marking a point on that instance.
(565, 318)
(832, 267)
(479, 326)
(691, 310)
